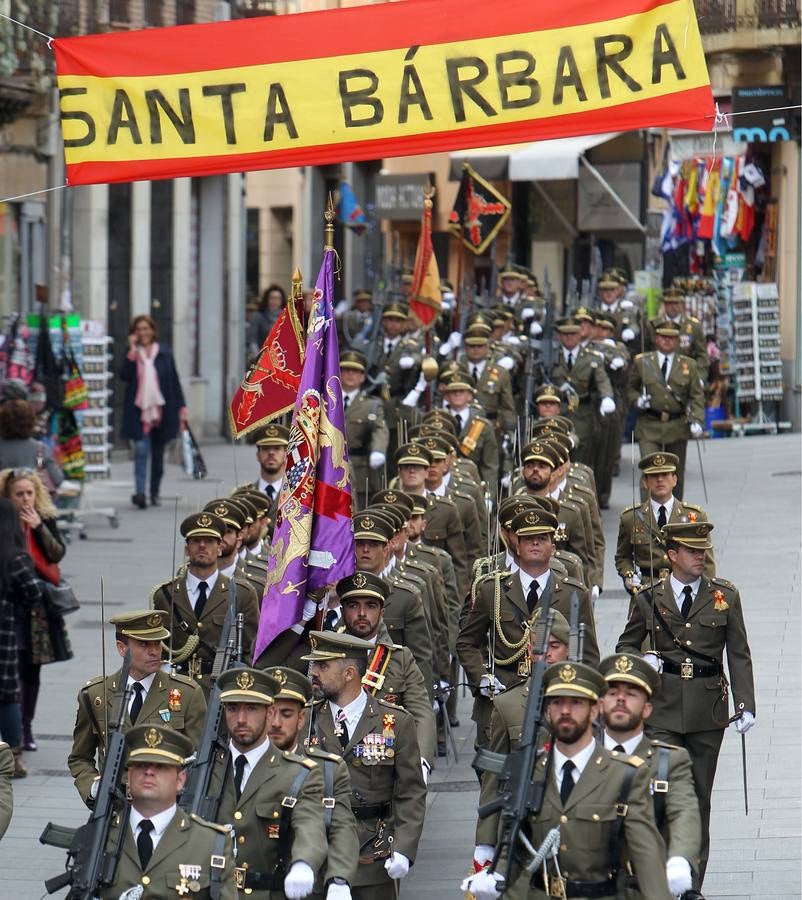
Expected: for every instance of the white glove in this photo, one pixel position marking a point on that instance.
(507, 362)
(644, 401)
(376, 459)
(483, 885)
(490, 685)
(397, 865)
(506, 481)
(594, 592)
(653, 660)
(627, 334)
(678, 873)
(425, 769)
(338, 892)
(436, 707)
(535, 329)
(445, 348)
(93, 788)
(617, 362)
(607, 406)
(310, 608)
(746, 721)
(411, 398)
(482, 854)
(512, 339)
(633, 582)
(299, 882)
(626, 304)
(455, 339)
(406, 362)
(696, 430)
(526, 313)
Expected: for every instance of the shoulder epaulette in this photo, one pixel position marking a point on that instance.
(573, 582)
(223, 829)
(635, 761)
(692, 506)
(667, 745)
(96, 680)
(724, 582)
(301, 760)
(391, 705)
(694, 319)
(183, 679)
(323, 754)
(628, 509)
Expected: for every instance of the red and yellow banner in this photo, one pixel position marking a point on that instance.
(368, 82)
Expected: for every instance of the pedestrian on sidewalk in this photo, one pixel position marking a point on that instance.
(154, 407)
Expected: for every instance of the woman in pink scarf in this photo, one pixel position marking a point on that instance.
(154, 405)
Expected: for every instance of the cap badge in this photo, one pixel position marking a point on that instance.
(567, 674)
(221, 509)
(623, 664)
(280, 677)
(519, 508)
(390, 497)
(271, 431)
(204, 521)
(367, 523)
(153, 738)
(313, 641)
(154, 620)
(532, 519)
(413, 450)
(245, 681)
(360, 580)
(659, 460)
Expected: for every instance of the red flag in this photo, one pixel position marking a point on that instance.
(425, 298)
(270, 386)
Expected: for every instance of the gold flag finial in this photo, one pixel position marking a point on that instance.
(297, 282)
(429, 190)
(328, 215)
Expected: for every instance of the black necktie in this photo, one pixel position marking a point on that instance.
(531, 597)
(239, 772)
(270, 491)
(618, 748)
(203, 589)
(687, 603)
(343, 730)
(568, 781)
(346, 401)
(570, 361)
(661, 517)
(144, 843)
(136, 705)
(331, 618)
(664, 368)
(475, 373)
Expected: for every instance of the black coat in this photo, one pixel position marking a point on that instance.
(171, 391)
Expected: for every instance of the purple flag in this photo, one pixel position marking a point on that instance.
(313, 542)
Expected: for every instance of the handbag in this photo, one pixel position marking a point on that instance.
(60, 598)
(76, 394)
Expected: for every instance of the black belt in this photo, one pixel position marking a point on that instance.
(584, 399)
(580, 888)
(688, 670)
(262, 881)
(371, 811)
(663, 416)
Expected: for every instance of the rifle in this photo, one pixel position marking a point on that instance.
(596, 265)
(90, 866)
(520, 788)
(196, 797)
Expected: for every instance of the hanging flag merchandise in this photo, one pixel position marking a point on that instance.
(313, 541)
(349, 212)
(425, 297)
(479, 211)
(76, 394)
(270, 385)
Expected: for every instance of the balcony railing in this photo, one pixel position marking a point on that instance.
(779, 14)
(719, 16)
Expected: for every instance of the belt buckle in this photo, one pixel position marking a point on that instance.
(659, 786)
(217, 862)
(686, 670)
(664, 416)
(239, 877)
(329, 802)
(289, 802)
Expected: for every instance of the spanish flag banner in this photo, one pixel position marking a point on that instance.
(367, 82)
(425, 298)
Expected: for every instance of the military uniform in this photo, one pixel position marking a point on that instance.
(6, 793)
(691, 709)
(444, 530)
(664, 425)
(608, 443)
(477, 441)
(692, 340)
(366, 433)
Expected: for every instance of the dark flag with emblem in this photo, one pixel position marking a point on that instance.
(479, 211)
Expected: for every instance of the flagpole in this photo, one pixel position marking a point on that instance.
(328, 233)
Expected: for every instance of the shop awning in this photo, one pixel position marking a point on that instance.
(539, 161)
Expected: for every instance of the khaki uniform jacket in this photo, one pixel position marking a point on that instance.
(627, 315)
(343, 844)
(444, 530)
(715, 624)
(257, 813)
(473, 488)
(399, 381)
(427, 579)
(691, 342)
(253, 573)
(469, 516)
(187, 840)
(210, 625)
(478, 442)
(589, 379)
(184, 712)
(640, 544)
(6, 793)
(366, 432)
(396, 781)
(494, 394)
(679, 402)
(478, 623)
(405, 619)
(271, 516)
(577, 489)
(404, 686)
(448, 602)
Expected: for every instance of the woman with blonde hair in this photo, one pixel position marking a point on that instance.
(41, 638)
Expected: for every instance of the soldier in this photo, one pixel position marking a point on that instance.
(588, 792)
(404, 614)
(253, 554)
(365, 429)
(612, 293)
(166, 852)
(579, 373)
(505, 603)
(357, 323)
(665, 388)
(641, 553)
(236, 520)
(6, 791)
(477, 440)
(197, 601)
(510, 288)
(156, 698)
(625, 705)
(691, 709)
(493, 386)
(378, 742)
(691, 335)
(392, 674)
(271, 452)
(288, 730)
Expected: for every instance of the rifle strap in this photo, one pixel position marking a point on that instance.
(216, 871)
(373, 679)
(660, 786)
(616, 843)
(285, 821)
(328, 793)
(688, 651)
